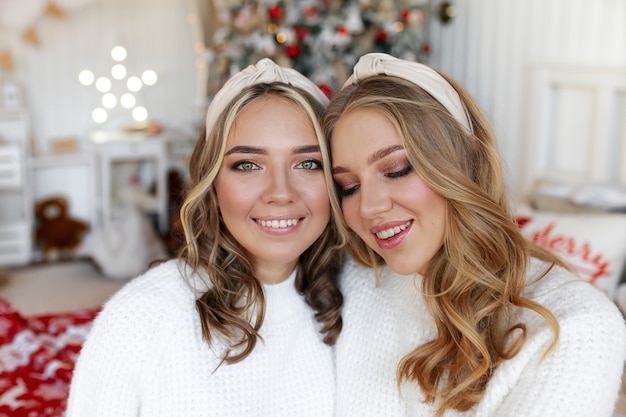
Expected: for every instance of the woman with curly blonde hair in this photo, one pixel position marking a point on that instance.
(455, 313)
(242, 323)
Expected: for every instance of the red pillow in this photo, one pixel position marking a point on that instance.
(37, 356)
(593, 244)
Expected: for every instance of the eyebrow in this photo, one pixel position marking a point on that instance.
(307, 149)
(381, 153)
(376, 156)
(261, 151)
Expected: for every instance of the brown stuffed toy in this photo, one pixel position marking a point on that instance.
(56, 232)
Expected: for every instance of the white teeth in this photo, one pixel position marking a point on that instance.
(392, 231)
(278, 224)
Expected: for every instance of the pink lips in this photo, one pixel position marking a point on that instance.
(395, 240)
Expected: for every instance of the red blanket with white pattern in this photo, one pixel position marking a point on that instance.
(37, 356)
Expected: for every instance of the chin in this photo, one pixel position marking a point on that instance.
(402, 267)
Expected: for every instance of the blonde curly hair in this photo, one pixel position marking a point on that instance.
(477, 278)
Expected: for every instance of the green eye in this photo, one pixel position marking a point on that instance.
(310, 164)
(245, 166)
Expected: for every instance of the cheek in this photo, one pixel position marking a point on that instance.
(318, 196)
(349, 207)
(219, 194)
(229, 194)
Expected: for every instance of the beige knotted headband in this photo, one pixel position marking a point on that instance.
(421, 75)
(264, 71)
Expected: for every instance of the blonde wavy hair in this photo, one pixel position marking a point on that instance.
(477, 278)
(233, 306)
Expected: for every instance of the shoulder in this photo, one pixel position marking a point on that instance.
(159, 294)
(565, 294)
(165, 281)
(136, 320)
(585, 313)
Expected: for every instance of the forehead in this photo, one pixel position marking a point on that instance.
(267, 104)
(272, 119)
(364, 127)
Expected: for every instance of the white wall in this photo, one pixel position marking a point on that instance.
(158, 35)
(491, 46)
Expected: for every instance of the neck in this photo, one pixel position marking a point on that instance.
(273, 273)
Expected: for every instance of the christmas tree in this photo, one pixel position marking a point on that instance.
(321, 39)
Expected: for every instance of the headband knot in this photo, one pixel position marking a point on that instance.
(378, 65)
(265, 71)
(421, 75)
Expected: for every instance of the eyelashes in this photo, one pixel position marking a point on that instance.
(311, 164)
(400, 173)
(350, 188)
(244, 166)
(347, 192)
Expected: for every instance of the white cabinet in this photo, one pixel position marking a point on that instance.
(16, 205)
(132, 171)
(72, 176)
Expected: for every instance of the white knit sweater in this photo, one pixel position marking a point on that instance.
(145, 356)
(579, 378)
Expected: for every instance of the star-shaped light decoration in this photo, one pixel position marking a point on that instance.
(125, 99)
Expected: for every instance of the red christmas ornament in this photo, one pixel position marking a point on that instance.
(292, 51)
(301, 32)
(427, 48)
(326, 89)
(311, 11)
(275, 12)
(405, 14)
(383, 36)
(342, 30)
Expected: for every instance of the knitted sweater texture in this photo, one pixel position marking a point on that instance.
(580, 377)
(145, 356)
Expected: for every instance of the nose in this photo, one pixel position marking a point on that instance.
(374, 201)
(281, 188)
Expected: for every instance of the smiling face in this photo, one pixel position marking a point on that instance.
(383, 199)
(270, 188)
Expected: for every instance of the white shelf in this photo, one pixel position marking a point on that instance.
(62, 160)
(16, 204)
(15, 243)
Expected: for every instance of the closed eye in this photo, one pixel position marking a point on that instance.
(400, 173)
(347, 192)
(346, 187)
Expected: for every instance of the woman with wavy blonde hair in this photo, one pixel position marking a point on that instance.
(455, 313)
(242, 322)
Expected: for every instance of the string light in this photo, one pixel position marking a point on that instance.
(86, 77)
(118, 53)
(104, 85)
(149, 77)
(118, 71)
(281, 38)
(109, 100)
